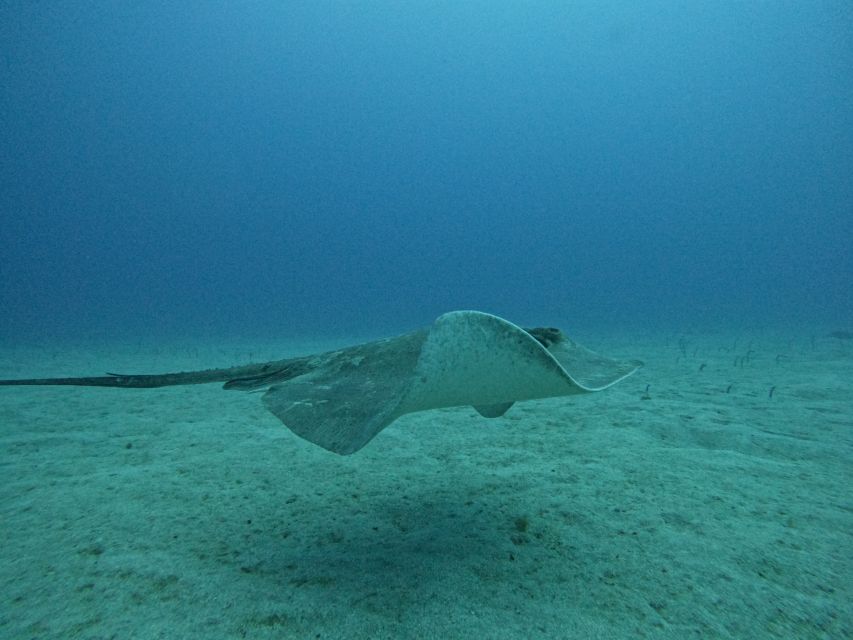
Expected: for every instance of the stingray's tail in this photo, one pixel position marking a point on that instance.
(245, 377)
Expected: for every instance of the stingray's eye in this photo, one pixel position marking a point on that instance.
(546, 336)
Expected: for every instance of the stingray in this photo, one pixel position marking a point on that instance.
(340, 400)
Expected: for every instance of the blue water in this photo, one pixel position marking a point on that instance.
(325, 167)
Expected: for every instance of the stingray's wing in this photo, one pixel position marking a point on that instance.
(465, 357)
(351, 396)
(590, 370)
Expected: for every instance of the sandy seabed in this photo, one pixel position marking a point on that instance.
(685, 502)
